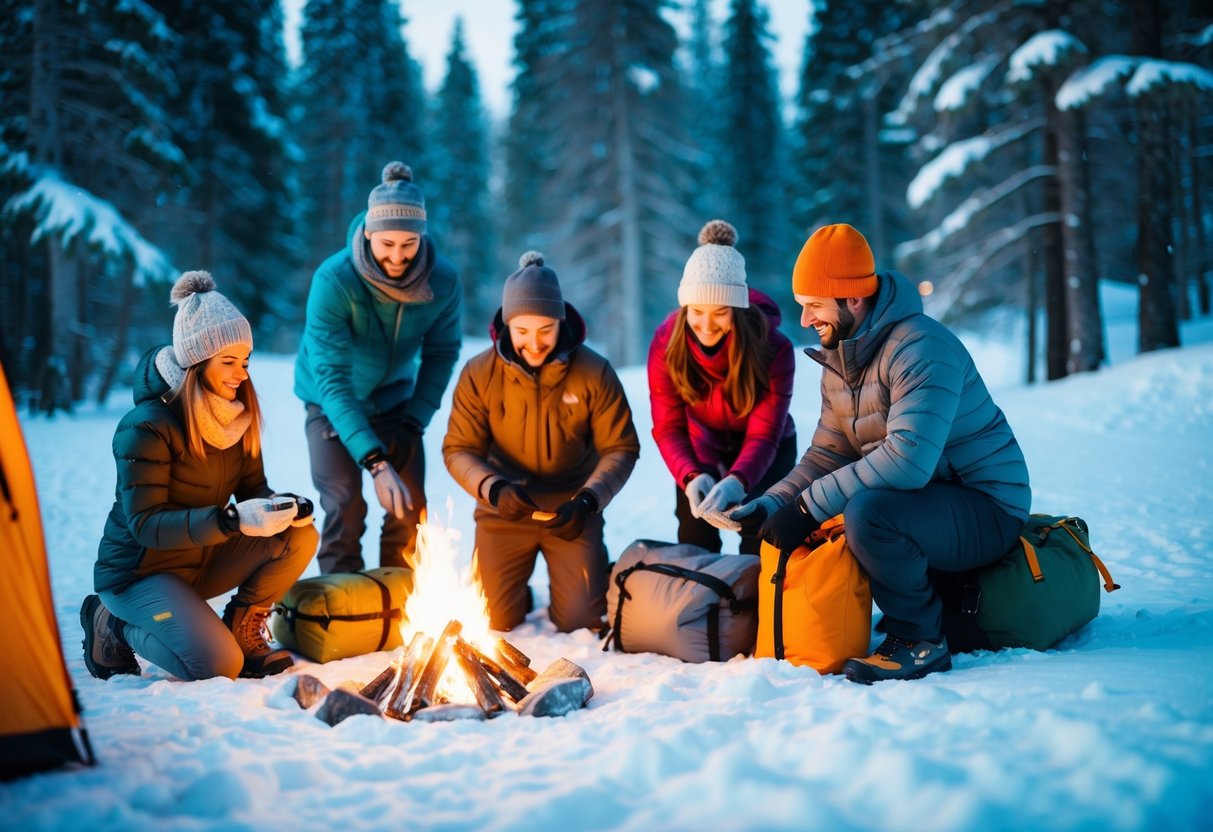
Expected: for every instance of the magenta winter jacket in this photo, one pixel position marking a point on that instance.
(703, 438)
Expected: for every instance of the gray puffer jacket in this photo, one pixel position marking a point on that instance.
(903, 405)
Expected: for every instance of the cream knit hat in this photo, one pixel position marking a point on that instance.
(715, 272)
(207, 323)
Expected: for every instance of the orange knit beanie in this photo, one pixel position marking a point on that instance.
(836, 262)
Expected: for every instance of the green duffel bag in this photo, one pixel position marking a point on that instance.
(1044, 589)
(344, 614)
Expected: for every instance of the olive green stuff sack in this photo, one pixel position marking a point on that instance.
(344, 614)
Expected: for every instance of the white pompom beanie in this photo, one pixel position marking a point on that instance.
(715, 272)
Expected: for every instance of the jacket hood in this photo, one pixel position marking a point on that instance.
(147, 383)
(896, 299)
(572, 335)
(768, 306)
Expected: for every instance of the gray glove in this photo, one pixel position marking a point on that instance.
(746, 514)
(697, 489)
(393, 494)
(259, 518)
(728, 493)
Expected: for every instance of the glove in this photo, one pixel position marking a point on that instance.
(789, 527)
(728, 492)
(259, 518)
(304, 508)
(393, 494)
(746, 518)
(511, 502)
(570, 517)
(697, 489)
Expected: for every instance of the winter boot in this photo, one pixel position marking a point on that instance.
(106, 652)
(248, 626)
(900, 658)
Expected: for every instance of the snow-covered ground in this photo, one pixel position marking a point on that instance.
(1114, 730)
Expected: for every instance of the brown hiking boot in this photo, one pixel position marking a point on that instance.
(106, 653)
(248, 626)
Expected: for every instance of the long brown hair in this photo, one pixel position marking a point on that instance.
(192, 394)
(750, 356)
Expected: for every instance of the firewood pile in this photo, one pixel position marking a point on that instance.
(411, 689)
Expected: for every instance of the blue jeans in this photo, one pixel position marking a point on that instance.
(897, 535)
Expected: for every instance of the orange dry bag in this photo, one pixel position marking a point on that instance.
(814, 604)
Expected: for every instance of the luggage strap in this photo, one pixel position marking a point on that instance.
(722, 589)
(388, 614)
(1066, 525)
(781, 571)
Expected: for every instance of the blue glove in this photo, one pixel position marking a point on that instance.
(745, 518)
(728, 493)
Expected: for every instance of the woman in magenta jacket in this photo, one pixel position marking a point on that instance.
(720, 384)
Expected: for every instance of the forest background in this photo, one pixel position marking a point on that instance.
(1007, 154)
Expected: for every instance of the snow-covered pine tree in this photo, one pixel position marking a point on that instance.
(458, 199)
(751, 161)
(86, 147)
(362, 105)
(619, 184)
(702, 74)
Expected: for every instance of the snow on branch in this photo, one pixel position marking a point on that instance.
(65, 212)
(1042, 49)
(1152, 74)
(955, 159)
(959, 219)
(975, 261)
(1147, 75)
(927, 76)
(954, 92)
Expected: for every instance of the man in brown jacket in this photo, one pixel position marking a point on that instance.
(541, 435)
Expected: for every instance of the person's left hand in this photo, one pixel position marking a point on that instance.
(789, 527)
(304, 510)
(570, 517)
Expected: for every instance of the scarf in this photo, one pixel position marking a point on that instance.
(411, 287)
(222, 423)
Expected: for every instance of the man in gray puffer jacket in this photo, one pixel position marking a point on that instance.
(910, 449)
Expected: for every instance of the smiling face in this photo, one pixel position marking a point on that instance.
(709, 323)
(223, 374)
(394, 250)
(834, 321)
(534, 337)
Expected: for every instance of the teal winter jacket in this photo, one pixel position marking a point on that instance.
(364, 354)
(902, 405)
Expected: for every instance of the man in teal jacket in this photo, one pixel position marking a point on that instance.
(382, 336)
(909, 448)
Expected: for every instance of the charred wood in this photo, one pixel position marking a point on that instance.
(509, 683)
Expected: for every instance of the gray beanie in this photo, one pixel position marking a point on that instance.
(207, 323)
(715, 272)
(532, 290)
(397, 204)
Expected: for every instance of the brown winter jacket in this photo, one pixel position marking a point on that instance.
(565, 428)
(165, 516)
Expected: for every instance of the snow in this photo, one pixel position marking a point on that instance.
(955, 159)
(1146, 74)
(1151, 74)
(1042, 49)
(954, 93)
(1113, 730)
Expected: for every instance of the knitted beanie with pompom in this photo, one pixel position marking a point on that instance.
(396, 204)
(715, 272)
(207, 323)
(532, 290)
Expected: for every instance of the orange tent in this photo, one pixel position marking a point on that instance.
(40, 726)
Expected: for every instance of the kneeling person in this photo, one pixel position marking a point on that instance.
(540, 423)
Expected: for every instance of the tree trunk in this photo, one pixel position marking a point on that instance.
(631, 301)
(1084, 317)
(872, 178)
(122, 322)
(1200, 250)
(1056, 342)
(1179, 212)
(1031, 303)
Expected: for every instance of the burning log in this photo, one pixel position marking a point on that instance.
(449, 712)
(309, 690)
(515, 661)
(556, 698)
(482, 686)
(378, 688)
(400, 700)
(508, 682)
(342, 704)
(559, 670)
(427, 683)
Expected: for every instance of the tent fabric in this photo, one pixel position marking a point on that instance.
(40, 726)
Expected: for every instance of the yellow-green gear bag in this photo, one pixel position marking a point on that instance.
(344, 614)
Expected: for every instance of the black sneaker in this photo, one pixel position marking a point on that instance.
(900, 658)
(105, 653)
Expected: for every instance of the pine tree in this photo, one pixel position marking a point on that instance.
(703, 80)
(460, 219)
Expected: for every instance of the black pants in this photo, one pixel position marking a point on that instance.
(338, 478)
(702, 533)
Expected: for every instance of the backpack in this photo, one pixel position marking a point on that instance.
(683, 601)
(344, 614)
(814, 603)
(1044, 589)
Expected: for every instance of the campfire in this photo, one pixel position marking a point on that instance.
(452, 666)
